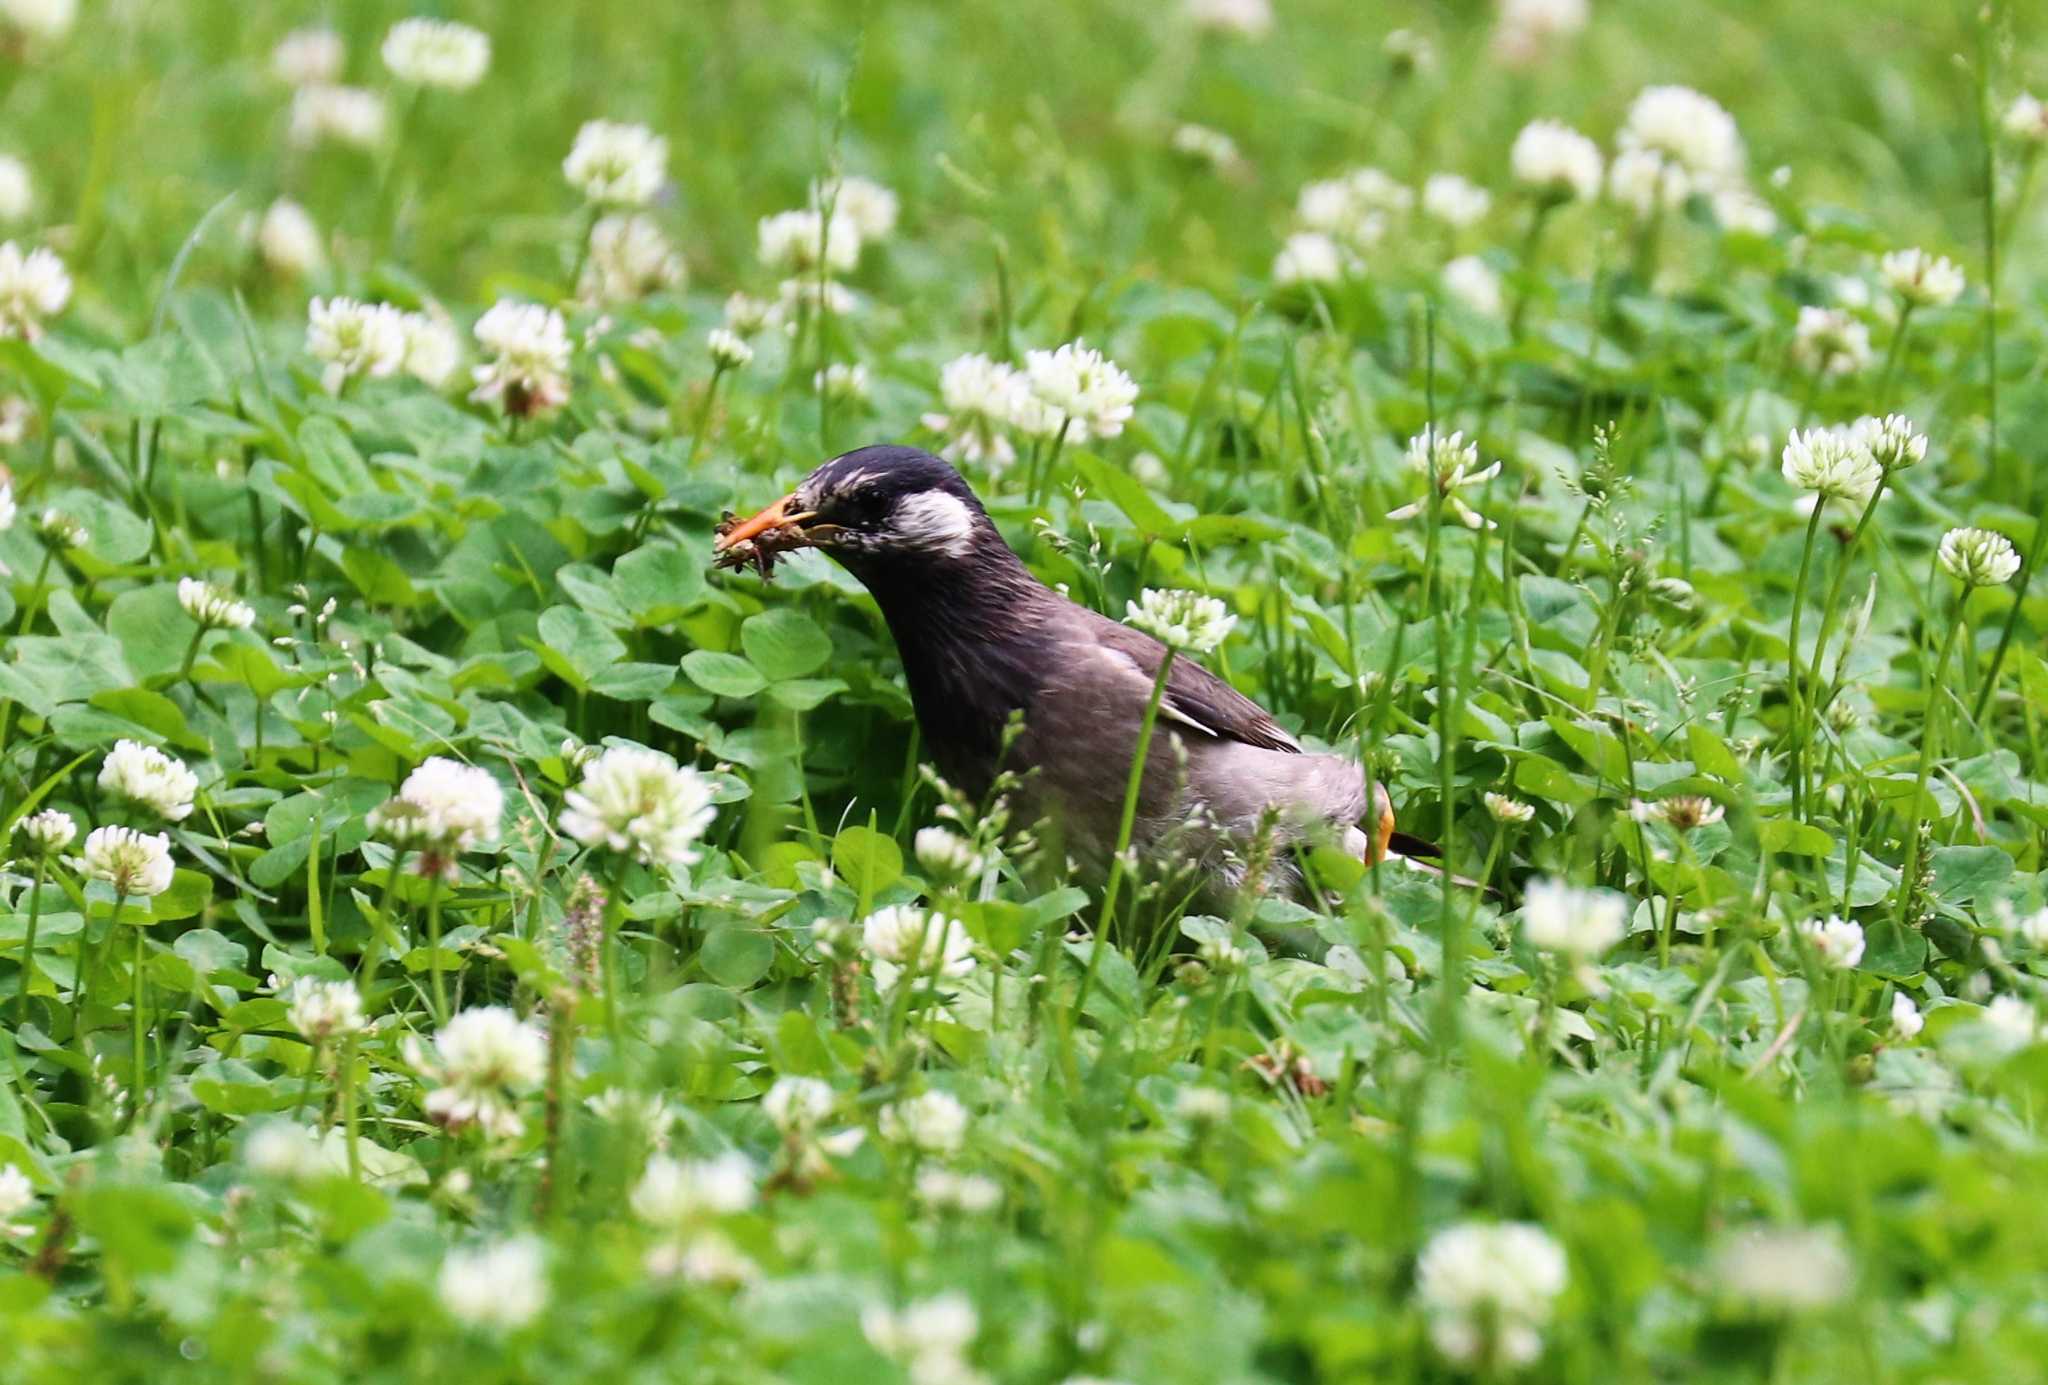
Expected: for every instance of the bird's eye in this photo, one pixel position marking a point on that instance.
(861, 509)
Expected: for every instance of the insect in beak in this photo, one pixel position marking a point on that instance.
(776, 517)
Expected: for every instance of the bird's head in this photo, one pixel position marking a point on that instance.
(871, 508)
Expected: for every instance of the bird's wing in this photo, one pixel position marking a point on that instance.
(1195, 697)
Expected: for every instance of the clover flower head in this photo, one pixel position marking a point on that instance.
(144, 775)
(1488, 1290)
(1568, 919)
(1186, 621)
(640, 802)
(483, 1060)
(1979, 557)
(136, 864)
(437, 53)
(616, 164)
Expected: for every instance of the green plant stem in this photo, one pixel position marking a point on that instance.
(1930, 732)
(1793, 689)
(1041, 479)
(2012, 615)
(1133, 783)
(440, 985)
(28, 948)
(1892, 357)
(608, 948)
(348, 1107)
(1532, 241)
(703, 420)
(135, 1008)
(1832, 607)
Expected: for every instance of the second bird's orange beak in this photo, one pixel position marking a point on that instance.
(776, 516)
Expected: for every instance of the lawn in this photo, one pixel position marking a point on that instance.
(450, 927)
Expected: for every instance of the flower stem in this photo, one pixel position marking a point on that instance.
(28, 950)
(135, 1016)
(1041, 478)
(1833, 605)
(1793, 689)
(1132, 784)
(1891, 358)
(434, 950)
(704, 413)
(1930, 732)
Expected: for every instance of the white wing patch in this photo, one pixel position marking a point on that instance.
(937, 521)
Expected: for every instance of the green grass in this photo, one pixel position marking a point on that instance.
(1196, 1154)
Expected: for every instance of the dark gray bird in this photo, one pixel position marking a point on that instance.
(982, 639)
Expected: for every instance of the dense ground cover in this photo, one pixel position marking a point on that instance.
(449, 927)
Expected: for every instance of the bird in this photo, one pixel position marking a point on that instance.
(983, 641)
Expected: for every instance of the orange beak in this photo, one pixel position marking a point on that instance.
(776, 516)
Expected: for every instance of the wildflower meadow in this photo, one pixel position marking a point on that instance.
(452, 928)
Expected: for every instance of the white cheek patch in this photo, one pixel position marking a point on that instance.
(937, 521)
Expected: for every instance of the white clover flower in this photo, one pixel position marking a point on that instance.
(802, 241)
(1456, 202)
(640, 801)
(1488, 1291)
(1830, 462)
(1408, 52)
(902, 938)
(51, 830)
(437, 53)
(1686, 128)
(1087, 392)
(1740, 212)
(796, 1104)
(1202, 1105)
(932, 1122)
(528, 372)
(1505, 809)
(1681, 812)
(443, 809)
(929, 1338)
(1204, 146)
(283, 1150)
(2031, 928)
(2010, 1023)
(1473, 282)
(322, 1010)
(745, 315)
(212, 607)
(498, 1287)
(1310, 257)
(45, 20)
(1240, 18)
(433, 350)
(17, 1194)
(981, 399)
(1979, 557)
(673, 1193)
(863, 201)
(1921, 280)
(17, 189)
(8, 509)
(728, 349)
(60, 530)
(144, 775)
(483, 1059)
(629, 259)
(33, 287)
(946, 855)
(616, 164)
(1561, 917)
(1333, 208)
(344, 115)
(807, 296)
(1836, 943)
(944, 1189)
(1827, 341)
(1892, 441)
(1449, 464)
(2026, 120)
(352, 339)
(136, 864)
(1182, 620)
(1556, 162)
(1907, 1021)
(1647, 183)
(309, 58)
(847, 383)
(16, 414)
(1528, 29)
(1782, 1269)
(288, 240)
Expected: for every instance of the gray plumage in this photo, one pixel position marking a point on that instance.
(982, 639)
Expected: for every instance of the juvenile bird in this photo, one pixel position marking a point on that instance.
(982, 639)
